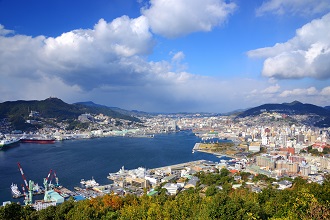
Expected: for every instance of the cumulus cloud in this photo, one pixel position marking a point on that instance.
(300, 92)
(272, 89)
(84, 57)
(295, 7)
(4, 31)
(325, 91)
(108, 64)
(175, 18)
(305, 55)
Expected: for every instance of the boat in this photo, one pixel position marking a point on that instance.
(89, 183)
(8, 142)
(38, 139)
(15, 190)
(37, 189)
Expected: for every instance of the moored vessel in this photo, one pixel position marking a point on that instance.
(15, 190)
(8, 142)
(38, 139)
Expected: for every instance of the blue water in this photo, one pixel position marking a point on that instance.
(74, 160)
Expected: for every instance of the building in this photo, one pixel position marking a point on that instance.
(284, 184)
(192, 182)
(85, 118)
(172, 188)
(265, 161)
(254, 147)
(305, 170)
(53, 196)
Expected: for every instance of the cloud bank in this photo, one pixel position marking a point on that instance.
(305, 55)
(109, 63)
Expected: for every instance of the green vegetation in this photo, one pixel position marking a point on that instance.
(303, 201)
(77, 125)
(221, 147)
(52, 108)
(315, 152)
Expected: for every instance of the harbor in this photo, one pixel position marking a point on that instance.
(74, 160)
(124, 182)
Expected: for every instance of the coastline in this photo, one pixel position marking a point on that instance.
(219, 155)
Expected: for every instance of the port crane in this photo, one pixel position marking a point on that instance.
(29, 187)
(26, 197)
(50, 178)
(56, 179)
(23, 176)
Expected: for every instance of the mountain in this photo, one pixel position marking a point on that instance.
(18, 111)
(48, 108)
(293, 108)
(327, 107)
(114, 112)
(133, 113)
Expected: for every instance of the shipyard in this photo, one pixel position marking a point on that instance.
(123, 182)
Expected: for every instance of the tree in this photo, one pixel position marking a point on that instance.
(11, 211)
(211, 190)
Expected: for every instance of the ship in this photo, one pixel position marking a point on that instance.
(89, 183)
(15, 190)
(8, 142)
(38, 139)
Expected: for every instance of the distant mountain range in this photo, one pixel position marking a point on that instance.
(18, 111)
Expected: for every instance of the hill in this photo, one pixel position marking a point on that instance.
(133, 113)
(293, 108)
(18, 111)
(93, 108)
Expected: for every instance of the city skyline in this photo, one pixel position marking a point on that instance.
(166, 55)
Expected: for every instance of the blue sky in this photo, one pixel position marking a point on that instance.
(166, 55)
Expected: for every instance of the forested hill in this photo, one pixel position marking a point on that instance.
(54, 108)
(293, 108)
(133, 113)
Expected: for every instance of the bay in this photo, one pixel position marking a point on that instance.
(74, 160)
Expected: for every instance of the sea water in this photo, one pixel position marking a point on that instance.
(73, 160)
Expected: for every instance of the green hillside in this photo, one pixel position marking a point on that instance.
(18, 111)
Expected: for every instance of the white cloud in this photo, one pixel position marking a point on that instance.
(305, 55)
(295, 7)
(272, 89)
(83, 57)
(109, 66)
(325, 91)
(178, 56)
(175, 18)
(300, 92)
(4, 31)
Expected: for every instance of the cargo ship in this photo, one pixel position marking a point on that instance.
(38, 139)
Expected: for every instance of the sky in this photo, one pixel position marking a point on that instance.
(166, 55)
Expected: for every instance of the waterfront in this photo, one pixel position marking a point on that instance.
(74, 160)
